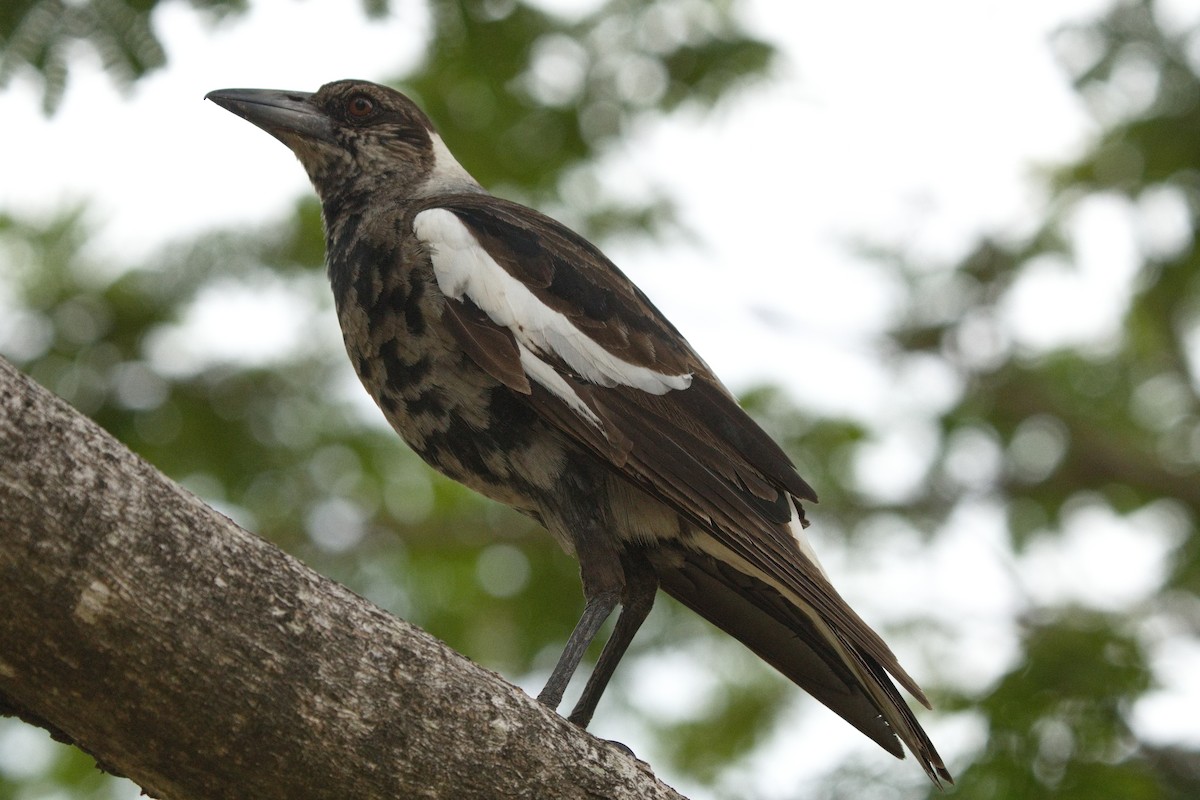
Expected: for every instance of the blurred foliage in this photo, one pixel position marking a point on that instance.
(1112, 424)
(37, 37)
(1065, 725)
(528, 101)
(285, 443)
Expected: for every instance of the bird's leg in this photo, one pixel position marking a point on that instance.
(603, 582)
(641, 584)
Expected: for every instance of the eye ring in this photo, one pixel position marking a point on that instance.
(360, 107)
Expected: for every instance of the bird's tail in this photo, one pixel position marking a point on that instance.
(807, 649)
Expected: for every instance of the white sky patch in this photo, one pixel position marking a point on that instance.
(1164, 222)
(895, 464)
(25, 751)
(336, 524)
(235, 322)
(1061, 303)
(892, 576)
(675, 686)
(1102, 561)
(1168, 715)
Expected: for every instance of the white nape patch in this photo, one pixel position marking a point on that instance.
(547, 376)
(447, 175)
(797, 529)
(465, 269)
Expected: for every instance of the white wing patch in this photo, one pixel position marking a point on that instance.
(797, 529)
(463, 268)
(547, 376)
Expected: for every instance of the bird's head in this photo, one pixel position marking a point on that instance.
(354, 135)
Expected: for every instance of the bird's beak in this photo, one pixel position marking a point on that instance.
(284, 115)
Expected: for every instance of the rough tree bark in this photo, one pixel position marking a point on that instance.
(203, 662)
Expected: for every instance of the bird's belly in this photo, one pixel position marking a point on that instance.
(460, 420)
(470, 427)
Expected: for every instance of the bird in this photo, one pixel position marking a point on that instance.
(514, 357)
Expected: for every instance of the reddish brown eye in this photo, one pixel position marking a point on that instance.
(360, 106)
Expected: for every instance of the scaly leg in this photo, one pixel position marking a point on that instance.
(641, 584)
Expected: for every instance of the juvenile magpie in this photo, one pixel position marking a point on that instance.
(514, 357)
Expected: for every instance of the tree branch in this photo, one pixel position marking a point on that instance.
(203, 662)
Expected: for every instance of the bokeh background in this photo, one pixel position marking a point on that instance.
(945, 251)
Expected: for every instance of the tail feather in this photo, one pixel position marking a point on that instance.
(802, 647)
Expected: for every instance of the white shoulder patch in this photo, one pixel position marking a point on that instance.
(463, 268)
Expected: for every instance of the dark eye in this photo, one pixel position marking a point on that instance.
(360, 107)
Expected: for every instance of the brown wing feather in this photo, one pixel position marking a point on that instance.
(491, 347)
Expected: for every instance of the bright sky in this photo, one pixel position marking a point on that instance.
(915, 123)
(912, 123)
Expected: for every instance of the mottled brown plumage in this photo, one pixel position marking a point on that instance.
(513, 356)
